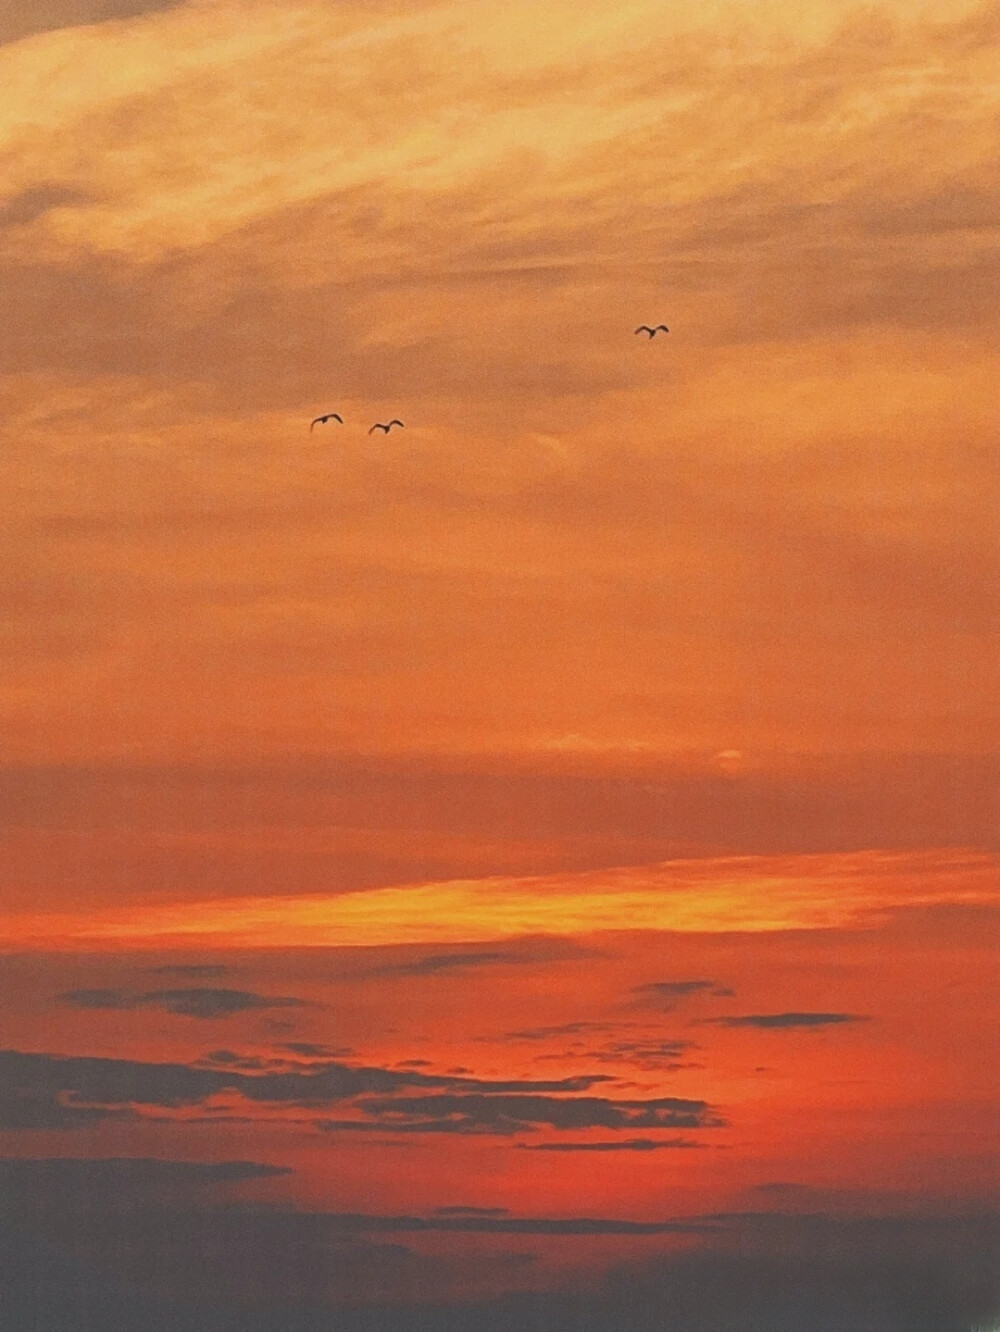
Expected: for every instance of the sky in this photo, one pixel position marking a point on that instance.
(538, 865)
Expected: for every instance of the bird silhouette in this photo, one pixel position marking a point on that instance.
(384, 428)
(644, 328)
(322, 420)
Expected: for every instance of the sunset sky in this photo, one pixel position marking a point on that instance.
(538, 867)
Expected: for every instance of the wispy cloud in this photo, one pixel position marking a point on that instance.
(667, 995)
(196, 1002)
(785, 1021)
(625, 1145)
(531, 952)
(506, 1114)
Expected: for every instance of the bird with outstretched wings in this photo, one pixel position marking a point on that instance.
(385, 428)
(645, 328)
(322, 420)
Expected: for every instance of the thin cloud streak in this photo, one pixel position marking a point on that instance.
(198, 1002)
(785, 1021)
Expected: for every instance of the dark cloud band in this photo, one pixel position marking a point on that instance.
(26, 20)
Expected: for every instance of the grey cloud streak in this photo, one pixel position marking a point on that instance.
(529, 952)
(197, 1002)
(27, 206)
(666, 995)
(785, 1021)
(627, 1145)
(506, 1114)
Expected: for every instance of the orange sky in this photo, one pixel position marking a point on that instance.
(773, 531)
(626, 664)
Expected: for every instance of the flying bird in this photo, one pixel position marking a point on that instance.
(330, 416)
(384, 428)
(660, 328)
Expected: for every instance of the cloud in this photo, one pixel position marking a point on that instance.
(646, 1051)
(666, 995)
(45, 1287)
(438, 962)
(513, 1225)
(785, 1021)
(68, 1091)
(825, 1286)
(199, 1270)
(39, 1184)
(471, 1211)
(310, 1050)
(179, 848)
(198, 1002)
(194, 970)
(895, 1273)
(28, 205)
(716, 895)
(913, 1277)
(557, 1030)
(19, 21)
(623, 1043)
(526, 952)
(43, 1110)
(505, 1114)
(245, 1063)
(626, 1145)
(263, 1269)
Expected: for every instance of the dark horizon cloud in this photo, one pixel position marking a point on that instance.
(194, 970)
(784, 1021)
(33, 1111)
(513, 1225)
(197, 1002)
(471, 1211)
(833, 1274)
(126, 1170)
(29, 1185)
